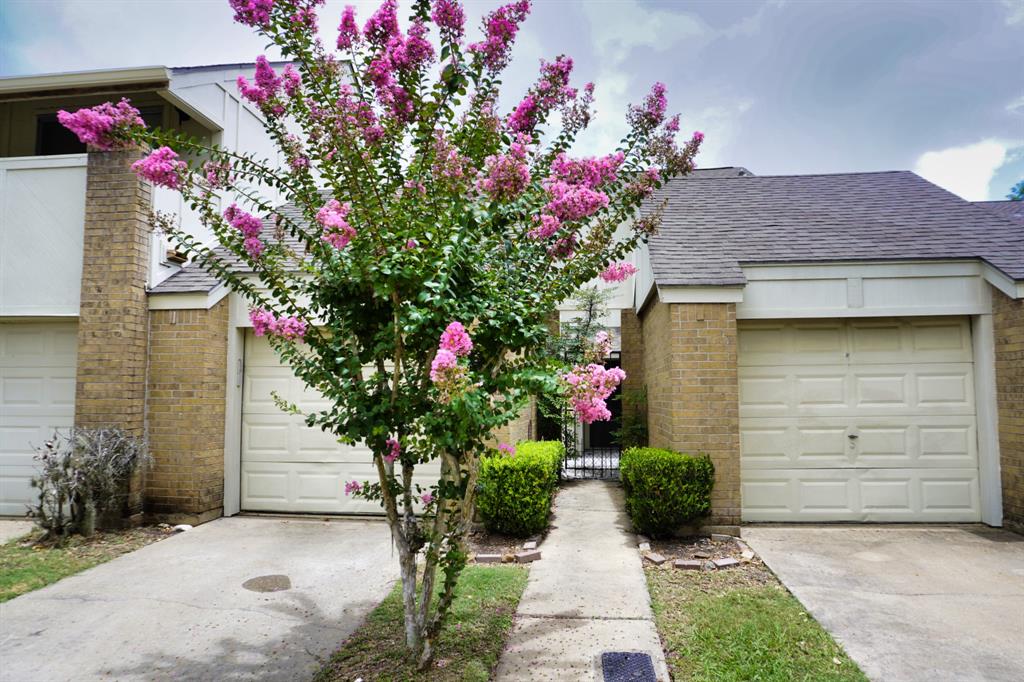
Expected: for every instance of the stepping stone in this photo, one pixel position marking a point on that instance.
(687, 564)
(719, 537)
(530, 545)
(527, 557)
(655, 558)
(748, 555)
(644, 547)
(727, 562)
(702, 555)
(709, 566)
(488, 558)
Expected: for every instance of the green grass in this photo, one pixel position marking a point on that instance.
(724, 626)
(25, 567)
(473, 637)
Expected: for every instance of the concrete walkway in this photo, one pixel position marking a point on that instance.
(587, 595)
(186, 608)
(909, 604)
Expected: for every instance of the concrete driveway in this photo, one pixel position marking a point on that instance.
(178, 609)
(909, 603)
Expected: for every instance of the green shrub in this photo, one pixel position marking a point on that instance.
(515, 491)
(665, 489)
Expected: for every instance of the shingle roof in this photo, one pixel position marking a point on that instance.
(1012, 210)
(712, 225)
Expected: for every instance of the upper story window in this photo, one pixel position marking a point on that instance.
(53, 138)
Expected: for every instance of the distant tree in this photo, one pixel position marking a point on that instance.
(1016, 192)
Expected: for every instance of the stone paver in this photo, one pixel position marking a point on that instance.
(587, 596)
(909, 604)
(233, 599)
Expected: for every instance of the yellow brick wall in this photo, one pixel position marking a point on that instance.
(689, 366)
(1008, 323)
(113, 317)
(187, 390)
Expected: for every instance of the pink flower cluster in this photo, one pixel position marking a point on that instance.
(447, 163)
(252, 12)
(590, 172)
(506, 176)
(427, 498)
(550, 91)
(651, 113)
(333, 219)
(359, 116)
(394, 52)
(218, 173)
(267, 85)
(571, 202)
(348, 29)
(162, 167)
(588, 387)
(382, 24)
(445, 371)
(618, 272)
(455, 339)
(506, 449)
(394, 450)
(101, 126)
(265, 322)
(644, 183)
(500, 27)
(450, 18)
(250, 226)
(352, 487)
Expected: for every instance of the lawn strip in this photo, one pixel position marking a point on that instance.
(473, 637)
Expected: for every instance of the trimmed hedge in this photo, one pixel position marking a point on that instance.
(514, 495)
(665, 489)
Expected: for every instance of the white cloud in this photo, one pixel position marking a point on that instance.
(636, 26)
(966, 171)
(1014, 12)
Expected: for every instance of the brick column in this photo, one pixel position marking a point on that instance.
(1008, 327)
(187, 392)
(113, 316)
(631, 360)
(689, 358)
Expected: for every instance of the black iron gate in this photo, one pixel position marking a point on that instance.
(592, 463)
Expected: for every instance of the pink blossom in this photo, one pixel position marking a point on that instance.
(447, 162)
(564, 247)
(500, 27)
(263, 91)
(442, 365)
(348, 30)
(698, 137)
(506, 176)
(590, 172)
(394, 450)
(547, 226)
(524, 118)
(506, 449)
(572, 202)
(253, 246)
(246, 223)
(162, 167)
(426, 498)
(588, 387)
(292, 81)
(411, 244)
(218, 174)
(456, 339)
(618, 272)
(553, 87)
(252, 12)
(449, 17)
(104, 125)
(383, 23)
(263, 321)
(332, 218)
(352, 487)
(411, 52)
(651, 113)
(602, 345)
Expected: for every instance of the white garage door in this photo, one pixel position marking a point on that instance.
(37, 396)
(858, 420)
(287, 466)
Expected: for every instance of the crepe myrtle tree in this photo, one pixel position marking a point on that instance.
(430, 239)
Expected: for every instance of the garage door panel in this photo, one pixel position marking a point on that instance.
(870, 495)
(288, 466)
(921, 389)
(37, 397)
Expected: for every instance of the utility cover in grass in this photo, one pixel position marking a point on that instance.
(627, 666)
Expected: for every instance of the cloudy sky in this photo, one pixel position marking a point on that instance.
(778, 86)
